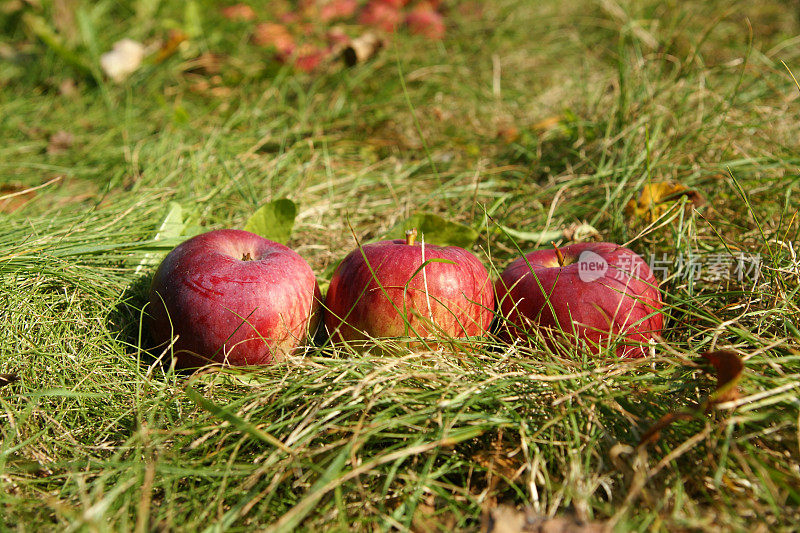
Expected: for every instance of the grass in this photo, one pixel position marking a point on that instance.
(539, 114)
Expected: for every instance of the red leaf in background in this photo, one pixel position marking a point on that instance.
(289, 18)
(396, 4)
(338, 9)
(337, 37)
(424, 20)
(309, 58)
(381, 15)
(238, 12)
(274, 35)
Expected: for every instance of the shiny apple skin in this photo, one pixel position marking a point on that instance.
(459, 301)
(624, 302)
(224, 309)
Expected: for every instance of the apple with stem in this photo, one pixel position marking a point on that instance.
(403, 288)
(598, 294)
(232, 297)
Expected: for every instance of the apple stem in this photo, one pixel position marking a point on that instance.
(247, 257)
(559, 255)
(411, 236)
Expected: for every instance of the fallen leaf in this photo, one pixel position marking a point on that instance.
(308, 57)
(59, 142)
(239, 12)
(123, 59)
(506, 519)
(8, 379)
(581, 233)
(337, 9)
(729, 367)
(508, 134)
(381, 15)
(273, 220)
(547, 123)
(573, 233)
(13, 196)
(176, 37)
(270, 34)
(424, 20)
(657, 198)
(435, 230)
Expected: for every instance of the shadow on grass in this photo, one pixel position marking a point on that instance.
(129, 319)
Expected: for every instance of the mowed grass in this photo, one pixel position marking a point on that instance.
(533, 115)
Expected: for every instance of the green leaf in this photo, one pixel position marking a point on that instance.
(170, 233)
(535, 236)
(274, 220)
(436, 230)
(172, 226)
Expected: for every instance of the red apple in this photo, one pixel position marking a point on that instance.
(596, 293)
(380, 290)
(231, 296)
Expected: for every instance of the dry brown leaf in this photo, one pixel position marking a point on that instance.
(508, 134)
(274, 35)
(506, 519)
(8, 379)
(176, 37)
(308, 57)
(657, 198)
(729, 367)
(13, 196)
(581, 233)
(59, 142)
(547, 123)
